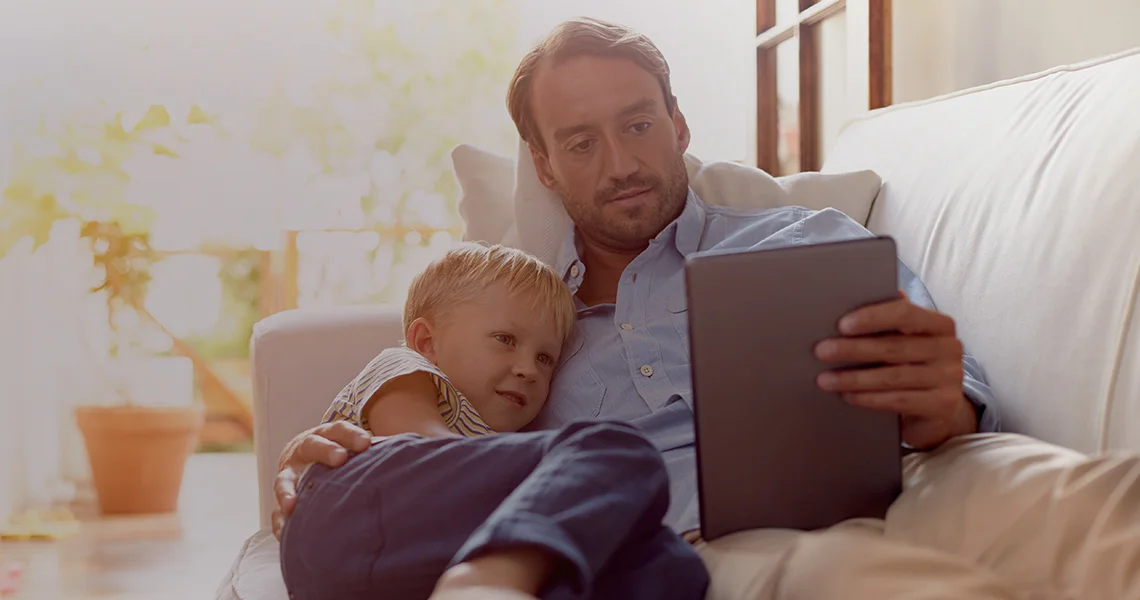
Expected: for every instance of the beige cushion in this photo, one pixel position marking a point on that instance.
(1019, 206)
(534, 220)
(484, 202)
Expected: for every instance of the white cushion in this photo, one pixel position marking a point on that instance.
(1019, 206)
(532, 217)
(256, 572)
(484, 207)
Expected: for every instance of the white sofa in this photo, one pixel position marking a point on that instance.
(1019, 206)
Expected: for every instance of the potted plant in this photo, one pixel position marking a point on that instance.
(137, 452)
(137, 449)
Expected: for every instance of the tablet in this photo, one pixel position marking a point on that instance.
(772, 448)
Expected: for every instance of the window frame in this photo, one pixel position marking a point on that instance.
(868, 71)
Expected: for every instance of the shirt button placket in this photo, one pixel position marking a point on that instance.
(647, 370)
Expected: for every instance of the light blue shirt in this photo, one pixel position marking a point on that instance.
(630, 360)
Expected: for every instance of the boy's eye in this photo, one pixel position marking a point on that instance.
(546, 359)
(505, 338)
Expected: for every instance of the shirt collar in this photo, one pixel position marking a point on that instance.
(684, 233)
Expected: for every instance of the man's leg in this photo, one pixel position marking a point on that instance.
(985, 516)
(852, 561)
(1048, 520)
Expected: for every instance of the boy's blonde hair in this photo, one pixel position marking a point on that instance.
(466, 270)
(577, 37)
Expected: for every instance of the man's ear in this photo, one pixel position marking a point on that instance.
(421, 338)
(684, 136)
(542, 166)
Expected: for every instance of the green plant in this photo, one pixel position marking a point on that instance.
(85, 179)
(85, 182)
(123, 259)
(240, 273)
(389, 108)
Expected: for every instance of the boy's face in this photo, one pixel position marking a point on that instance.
(500, 353)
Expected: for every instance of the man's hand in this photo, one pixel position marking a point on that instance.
(920, 376)
(326, 444)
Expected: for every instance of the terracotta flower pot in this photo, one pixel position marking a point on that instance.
(138, 454)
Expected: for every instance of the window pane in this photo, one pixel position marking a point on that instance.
(787, 11)
(788, 102)
(833, 107)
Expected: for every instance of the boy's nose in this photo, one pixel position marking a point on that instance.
(525, 369)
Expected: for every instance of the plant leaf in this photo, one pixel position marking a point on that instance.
(161, 150)
(155, 117)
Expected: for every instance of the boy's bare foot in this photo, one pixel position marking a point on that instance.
(480, 593)
(519, 570)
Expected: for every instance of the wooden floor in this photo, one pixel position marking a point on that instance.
(172, 557)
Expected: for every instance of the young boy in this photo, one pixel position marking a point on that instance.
(440, 503)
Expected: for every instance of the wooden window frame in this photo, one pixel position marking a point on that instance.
(868, 71)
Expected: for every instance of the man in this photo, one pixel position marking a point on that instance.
(594, 103)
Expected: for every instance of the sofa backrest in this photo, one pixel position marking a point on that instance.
(1019, 205)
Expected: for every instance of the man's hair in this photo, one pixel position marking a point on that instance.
(465, 271)
(582, 36)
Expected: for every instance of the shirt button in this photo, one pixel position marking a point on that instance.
(627, 326)
(647, 370)
(574, 271)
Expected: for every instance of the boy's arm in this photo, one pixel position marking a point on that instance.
(407, 404)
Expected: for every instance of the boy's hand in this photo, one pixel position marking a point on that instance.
(326, 444)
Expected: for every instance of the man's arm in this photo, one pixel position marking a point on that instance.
(977, 391)
(927, 378)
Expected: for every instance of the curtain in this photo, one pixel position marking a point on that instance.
(43, 300)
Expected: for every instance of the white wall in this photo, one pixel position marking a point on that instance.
(941, 46)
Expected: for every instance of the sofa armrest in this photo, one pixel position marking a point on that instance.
(301, 359)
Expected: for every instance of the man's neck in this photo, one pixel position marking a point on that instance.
(603, 272)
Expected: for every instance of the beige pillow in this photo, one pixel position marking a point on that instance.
(519, 211)
(485, 192)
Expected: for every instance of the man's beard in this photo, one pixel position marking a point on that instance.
(633, 230)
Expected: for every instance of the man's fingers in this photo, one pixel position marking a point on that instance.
(896, 315)
(883, 379)
(278, 523)
(896, 349)
(345, 434)
(940, 404)
(923, 434)
(285, 489)
(317, 449)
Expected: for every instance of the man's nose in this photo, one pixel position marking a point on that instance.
(619, 159)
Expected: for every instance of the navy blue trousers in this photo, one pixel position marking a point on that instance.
(391, 520)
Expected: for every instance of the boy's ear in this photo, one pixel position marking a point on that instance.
(421, 338)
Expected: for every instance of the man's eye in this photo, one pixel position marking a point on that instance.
(505, 338)
(641, 127)
(582, 146)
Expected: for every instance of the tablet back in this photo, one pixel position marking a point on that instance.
(774, 450)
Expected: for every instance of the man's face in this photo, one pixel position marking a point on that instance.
(613, 152)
